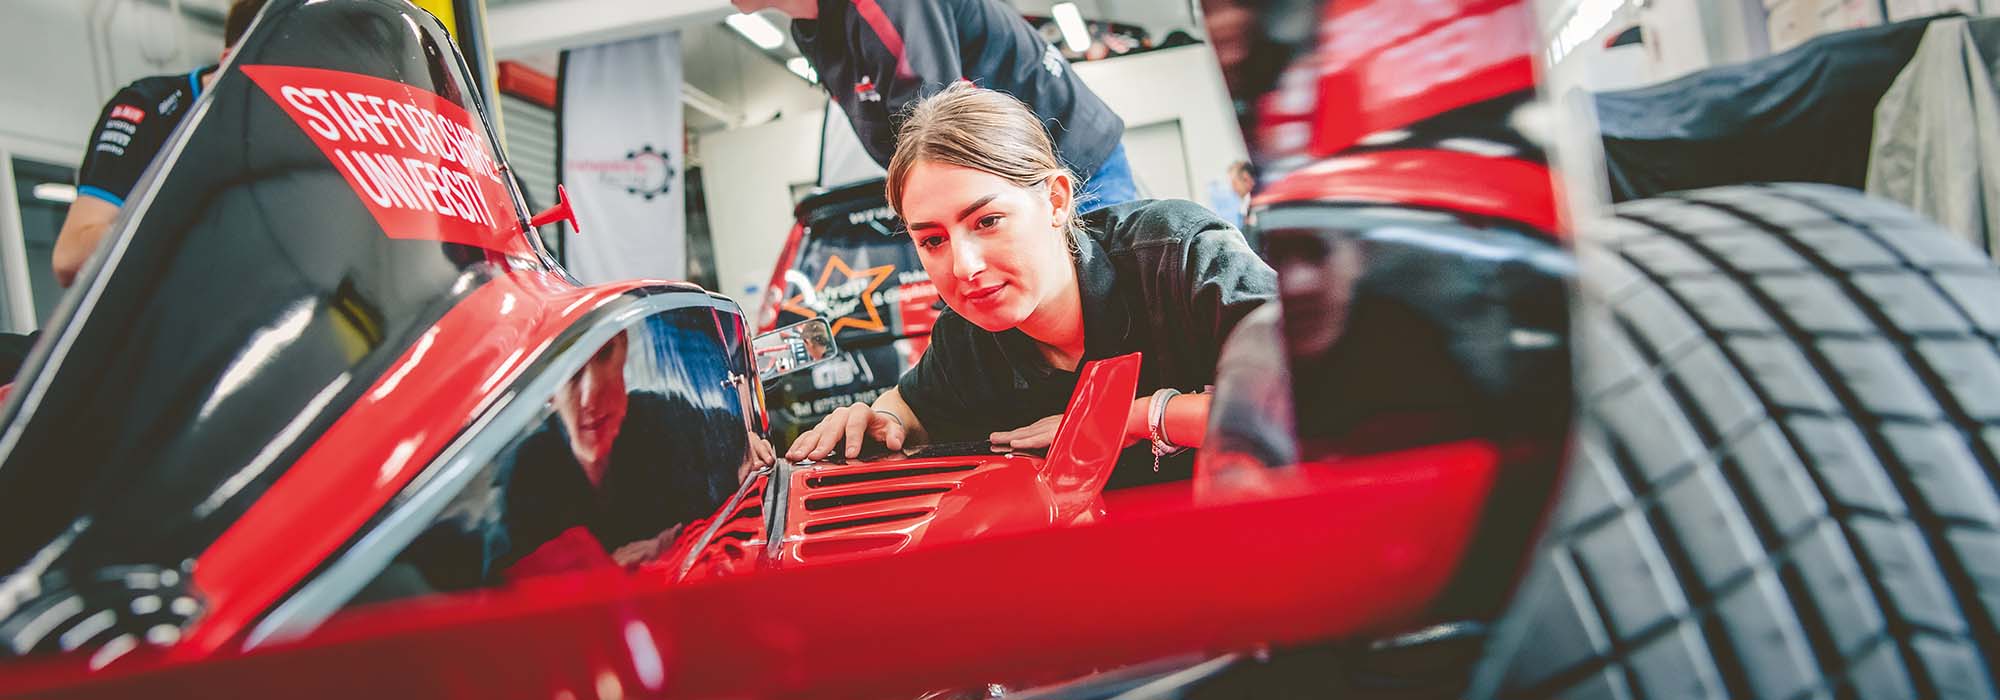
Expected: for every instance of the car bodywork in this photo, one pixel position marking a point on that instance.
(1392, 519)
(937, 495)
(279, 367)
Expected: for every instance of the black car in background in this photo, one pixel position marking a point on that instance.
(848, 261)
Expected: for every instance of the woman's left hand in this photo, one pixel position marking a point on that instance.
(1040, 434)
(1034, 436)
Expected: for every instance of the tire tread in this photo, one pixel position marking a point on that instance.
(1811, 442)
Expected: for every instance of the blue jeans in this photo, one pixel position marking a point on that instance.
(1111, 184)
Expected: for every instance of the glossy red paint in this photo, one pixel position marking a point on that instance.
(847, 510)
(1389, 63)
(1504, 188)
(464, 363)
(1318, 552)
(736, 546)
(1086, 445)
(573, 550)
(560, 211)
(844, 511)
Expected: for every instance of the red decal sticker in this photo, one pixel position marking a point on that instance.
(913, 349)
(419, 162)
(128, 113)
(918, 305)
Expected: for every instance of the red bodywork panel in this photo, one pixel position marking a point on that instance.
(460, 367)
(1390, 63)
(843, 511)
(941, 500)
(1384, 65)
(1498, 187)
(1316, 552)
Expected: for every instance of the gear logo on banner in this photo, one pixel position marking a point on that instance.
(843, 303)
(646, 173)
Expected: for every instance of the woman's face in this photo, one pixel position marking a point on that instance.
(996, 251)
(592, 406)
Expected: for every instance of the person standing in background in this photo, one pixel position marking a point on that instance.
(131, 130)
(876, 57)
(1230, 196)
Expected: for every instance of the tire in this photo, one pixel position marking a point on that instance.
(1783, 480)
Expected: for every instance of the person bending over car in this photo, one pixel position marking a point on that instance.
(130, 132)
(1036, 290)
(131, 129)
(876, 57)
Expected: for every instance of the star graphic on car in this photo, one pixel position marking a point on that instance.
(863, 301)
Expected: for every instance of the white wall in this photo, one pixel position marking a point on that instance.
(1181, 84)
(64, 58)
(1680, 38)
(747, 174)
(717, 61)
(1792, 22)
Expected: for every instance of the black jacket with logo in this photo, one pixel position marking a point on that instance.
(877, 56)
(133, 127)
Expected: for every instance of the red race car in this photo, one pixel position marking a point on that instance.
(325, 420)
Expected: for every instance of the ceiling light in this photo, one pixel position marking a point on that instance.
(758, 30)
(1584, 21)
(1075, 35)
(58, 192)
(802, 68)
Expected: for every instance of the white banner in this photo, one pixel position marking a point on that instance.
(622, 160)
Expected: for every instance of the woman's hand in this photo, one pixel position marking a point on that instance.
(761, 455)
(1042, 433)
(1033, 436)
(848, 424)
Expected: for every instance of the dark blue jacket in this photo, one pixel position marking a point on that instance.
(875, 57)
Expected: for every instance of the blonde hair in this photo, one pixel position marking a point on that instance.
(985, 130)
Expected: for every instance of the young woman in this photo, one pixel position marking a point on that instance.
(1035, 291)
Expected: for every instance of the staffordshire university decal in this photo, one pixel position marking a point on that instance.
(415, 159)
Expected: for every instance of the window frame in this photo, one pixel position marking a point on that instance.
(374, 548)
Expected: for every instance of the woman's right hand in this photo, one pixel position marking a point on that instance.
(848, 424)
